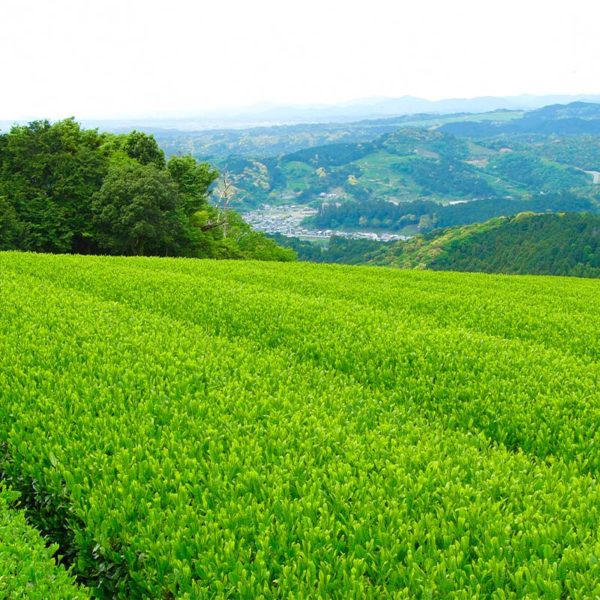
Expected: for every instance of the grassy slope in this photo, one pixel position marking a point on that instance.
(246, 429)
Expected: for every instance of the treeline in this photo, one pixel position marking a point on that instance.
(544, 244)
(66, 189)
(426, 215)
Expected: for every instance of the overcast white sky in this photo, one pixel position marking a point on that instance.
(127, 58)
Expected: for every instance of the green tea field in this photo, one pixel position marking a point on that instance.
(216, 429)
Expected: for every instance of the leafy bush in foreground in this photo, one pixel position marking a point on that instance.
(27, 569)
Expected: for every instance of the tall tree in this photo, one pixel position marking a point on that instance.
(11, 230)
(193, 181)
(143, 148)
(137, 212)
(49, 173)
(67, 189)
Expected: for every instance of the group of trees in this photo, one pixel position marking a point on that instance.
(67, 189)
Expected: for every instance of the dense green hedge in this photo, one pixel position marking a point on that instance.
(241, 429)
(27, 567)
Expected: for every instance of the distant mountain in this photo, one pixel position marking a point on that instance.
(548, 244)
(577, 118)
(369, 108)
(409, 105)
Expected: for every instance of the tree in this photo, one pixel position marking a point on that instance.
(11, 229)
(193, 181)
(252, 244)
(48, 174)
(143, 148)
(67, 189)
(225, 194)
(137, 212)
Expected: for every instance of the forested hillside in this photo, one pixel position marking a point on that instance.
(548, 244)
(436, 158)
(68, 189)
(402, 166)
(276, 140)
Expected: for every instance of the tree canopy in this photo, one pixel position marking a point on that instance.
(64, 188)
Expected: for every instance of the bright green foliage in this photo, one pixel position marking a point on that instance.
(193, 181)
(27, 569)
(250, 244)
(48, 174)
(240, 429)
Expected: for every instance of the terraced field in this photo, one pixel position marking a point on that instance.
(199, 429)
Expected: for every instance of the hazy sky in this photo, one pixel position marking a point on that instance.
(108, 58)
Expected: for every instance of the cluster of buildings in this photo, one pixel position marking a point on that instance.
(289, 220)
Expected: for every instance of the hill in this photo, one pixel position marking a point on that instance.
(187, 428)
(550, 244)
(575, 118)
(275, 140)
(269, 140)
(444, 158)
(405, 165)
(269, 115)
